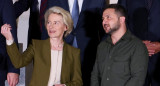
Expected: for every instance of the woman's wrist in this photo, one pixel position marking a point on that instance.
(9, 42)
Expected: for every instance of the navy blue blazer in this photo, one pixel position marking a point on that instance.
(21, 6)
(145, 24)
(7, 15)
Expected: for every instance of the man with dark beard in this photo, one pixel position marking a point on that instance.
(121, 58)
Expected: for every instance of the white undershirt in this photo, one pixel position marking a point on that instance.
(56, 66)
(70, 3)
(39, 4)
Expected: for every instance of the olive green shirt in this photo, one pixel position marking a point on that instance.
(122, 64)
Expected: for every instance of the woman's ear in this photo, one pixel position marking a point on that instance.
(66, 28)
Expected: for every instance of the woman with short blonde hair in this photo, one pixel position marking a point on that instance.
(67, 19)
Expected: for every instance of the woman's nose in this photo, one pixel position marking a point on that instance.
(51, 26)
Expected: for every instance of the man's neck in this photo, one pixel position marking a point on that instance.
(116, 36)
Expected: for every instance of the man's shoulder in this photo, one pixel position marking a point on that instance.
(71, 48)
(102, 43)
(136, 41)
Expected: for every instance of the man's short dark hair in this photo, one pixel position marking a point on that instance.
(119, 10)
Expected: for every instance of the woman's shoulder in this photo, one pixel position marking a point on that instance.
(39, 41)
(69, 47)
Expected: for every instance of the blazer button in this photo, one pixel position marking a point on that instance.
(107, 79)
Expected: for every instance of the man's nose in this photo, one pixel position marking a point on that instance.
(105, 20)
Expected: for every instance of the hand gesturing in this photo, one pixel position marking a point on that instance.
(6, 31)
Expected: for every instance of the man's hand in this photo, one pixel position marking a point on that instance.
(13, 79)
(156, 46)
(153, 47)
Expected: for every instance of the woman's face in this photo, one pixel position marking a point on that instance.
(55, 26)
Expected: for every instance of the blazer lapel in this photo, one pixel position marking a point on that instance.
(64, 68)
(152, 4)
(84, 6)
(47, 53)
(64, 4)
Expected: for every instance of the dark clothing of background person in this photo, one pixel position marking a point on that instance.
(7, 15)
(144, 22)
(21, 6)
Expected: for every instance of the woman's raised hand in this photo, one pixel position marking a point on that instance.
(6, 31)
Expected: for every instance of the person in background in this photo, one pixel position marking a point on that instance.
(122, 58)
(21, 6)
(34, 31)
(7, 70)
(55, 62)
(143, 21)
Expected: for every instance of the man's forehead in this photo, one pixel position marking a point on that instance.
(109, 10)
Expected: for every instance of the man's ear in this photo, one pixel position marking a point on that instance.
(122, 19)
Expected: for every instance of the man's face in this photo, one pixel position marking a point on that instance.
(111, 21)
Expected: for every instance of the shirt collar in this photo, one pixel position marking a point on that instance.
(126, 36)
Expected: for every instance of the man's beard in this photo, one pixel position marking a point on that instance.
(114, 29)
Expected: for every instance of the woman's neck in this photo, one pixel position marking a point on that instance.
(56, 44)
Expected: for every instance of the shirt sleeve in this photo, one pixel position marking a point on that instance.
(9, 42)
(95, 75)
(138, 65)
